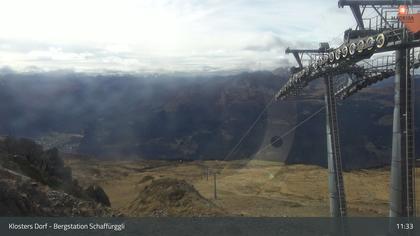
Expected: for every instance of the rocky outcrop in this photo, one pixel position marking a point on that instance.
(34, 182)
(97, 193)
(172, 197)
(26, 157)
(21, 196)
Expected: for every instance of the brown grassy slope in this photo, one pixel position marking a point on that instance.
(256, 188)
(170, 197)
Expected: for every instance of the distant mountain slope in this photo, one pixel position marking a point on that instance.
(149, 117)
(174, 117)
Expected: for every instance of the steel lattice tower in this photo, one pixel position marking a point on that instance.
(384, 33)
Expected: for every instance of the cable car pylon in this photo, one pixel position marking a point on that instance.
(335, 176)
(391, 30)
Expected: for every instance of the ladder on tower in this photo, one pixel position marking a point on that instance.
(409, 157)
(335, 144)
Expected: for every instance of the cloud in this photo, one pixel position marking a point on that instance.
(268, 43)
(176, 35)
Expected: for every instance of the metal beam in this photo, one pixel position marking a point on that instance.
(402, 196)
(288, 50)
(358, 16)
(342, 3)
(298, 53)
(335, 175)
(298, 59)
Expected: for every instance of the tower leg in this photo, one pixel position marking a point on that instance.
(402, 201)
(335, 175)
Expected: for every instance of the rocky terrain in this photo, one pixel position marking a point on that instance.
(171, 197)
(34, 182)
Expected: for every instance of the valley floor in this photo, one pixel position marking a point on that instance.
(247, 188)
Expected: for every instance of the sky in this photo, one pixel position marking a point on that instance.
(163, 36)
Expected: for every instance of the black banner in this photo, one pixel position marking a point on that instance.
(10, 226)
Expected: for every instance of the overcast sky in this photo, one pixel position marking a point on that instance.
(163, 36)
